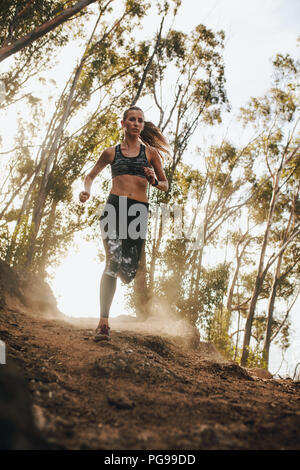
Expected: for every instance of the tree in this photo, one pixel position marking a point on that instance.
(241, 243)
(62, 157)
(273, 112)
(291, 262)
(195, 64)
(18, 17)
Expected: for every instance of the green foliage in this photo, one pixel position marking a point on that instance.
(112, 59)
(260, 200)
(16, 250)
(219, 333)
(284, 339)
(18, 16)
(195, 62)
(136, 9)
(210, 294)
(256, 353)
(256, 359)
(17, 19)
(231, 183)
(280, 102)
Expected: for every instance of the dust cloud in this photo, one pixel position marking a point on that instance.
(161, 321)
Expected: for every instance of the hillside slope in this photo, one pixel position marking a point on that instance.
(142, 390)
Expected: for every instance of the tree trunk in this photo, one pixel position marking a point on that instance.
(46, 241)
(276, 279)
(14, 195)
(236, 272)
(53, 150)
(272, 298)
(261, 273)
(40, 31)
(42, 195)
(149, 63)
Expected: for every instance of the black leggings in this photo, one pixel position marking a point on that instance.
(123, 225)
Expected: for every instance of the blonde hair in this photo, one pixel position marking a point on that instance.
(151, 135)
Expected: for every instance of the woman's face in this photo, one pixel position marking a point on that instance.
(134, 122)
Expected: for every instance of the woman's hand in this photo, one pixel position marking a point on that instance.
(149, 173)
(83, 196)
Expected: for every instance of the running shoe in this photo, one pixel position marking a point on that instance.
(102, 333)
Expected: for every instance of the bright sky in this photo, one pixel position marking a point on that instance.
(255, 31)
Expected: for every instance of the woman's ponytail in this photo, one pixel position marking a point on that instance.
(151, 135)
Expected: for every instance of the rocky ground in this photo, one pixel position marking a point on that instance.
(141, 390)
(154, 386)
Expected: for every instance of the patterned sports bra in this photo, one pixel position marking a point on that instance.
(129, 165)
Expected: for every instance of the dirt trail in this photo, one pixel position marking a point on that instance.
(144, 391)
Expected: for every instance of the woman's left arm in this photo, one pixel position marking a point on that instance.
(158, 173)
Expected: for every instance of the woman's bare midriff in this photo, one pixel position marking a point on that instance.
(132, 186)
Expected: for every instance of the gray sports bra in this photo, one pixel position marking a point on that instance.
(129, 165)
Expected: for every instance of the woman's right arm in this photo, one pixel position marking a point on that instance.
(105, 158)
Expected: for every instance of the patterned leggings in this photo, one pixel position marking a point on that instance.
(126, 224)
(123, 242)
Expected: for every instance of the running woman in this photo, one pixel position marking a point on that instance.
(135, 162)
